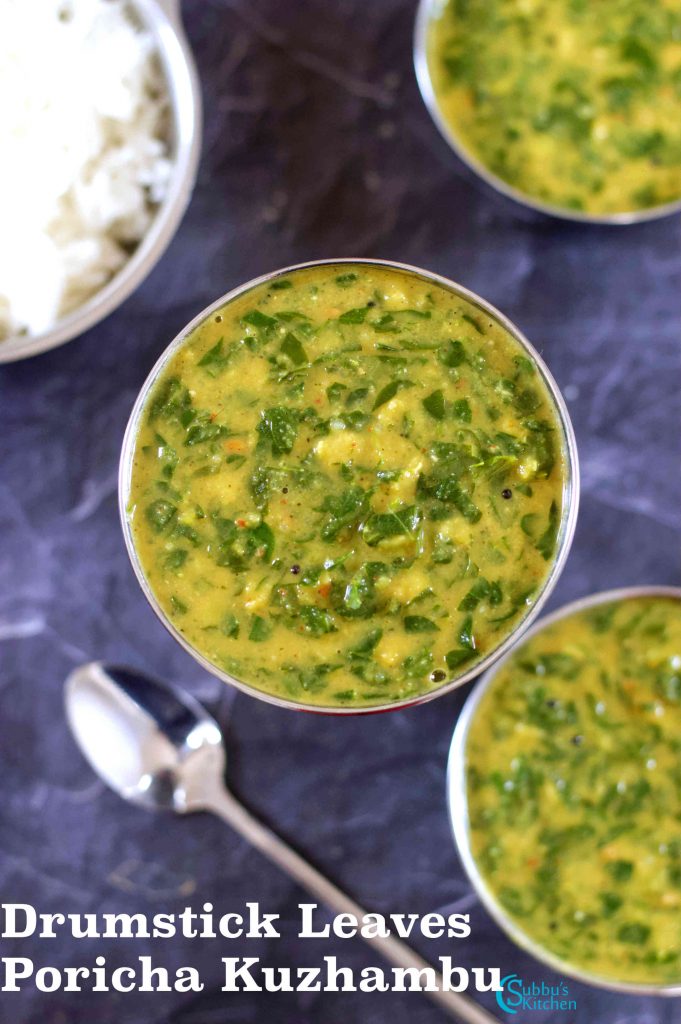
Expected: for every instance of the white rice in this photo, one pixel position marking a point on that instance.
(83, 137)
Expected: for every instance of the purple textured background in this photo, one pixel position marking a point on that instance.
(316, 144)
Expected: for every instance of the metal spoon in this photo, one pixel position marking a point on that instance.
(159, 748)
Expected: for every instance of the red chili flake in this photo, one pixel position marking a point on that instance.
(241, 522)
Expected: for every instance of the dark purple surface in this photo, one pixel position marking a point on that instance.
(316, 144)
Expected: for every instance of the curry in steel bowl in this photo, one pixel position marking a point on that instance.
(572, 105)
(569, 756)
(349, 485)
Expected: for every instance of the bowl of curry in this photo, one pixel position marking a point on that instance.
(348, 485)
(571, 108)
(564, 786)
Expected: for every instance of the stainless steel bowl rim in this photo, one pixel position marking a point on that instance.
(570, 492)
(160, 18)
(620, 219)
(457, 802)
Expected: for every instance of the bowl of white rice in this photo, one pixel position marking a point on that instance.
(100, 127)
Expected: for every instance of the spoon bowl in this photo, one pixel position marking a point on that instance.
(151, 743)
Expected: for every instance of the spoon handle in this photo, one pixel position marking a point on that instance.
(225, 806)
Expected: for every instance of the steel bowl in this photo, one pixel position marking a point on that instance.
(458, 803)
(427, 9)
(162, 19)
(569, 504)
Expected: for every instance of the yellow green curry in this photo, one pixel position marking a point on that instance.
(574, 789)
(575, 103)
(347, 485)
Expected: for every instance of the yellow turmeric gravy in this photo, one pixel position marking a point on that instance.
(574, 789)
(347, 486)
